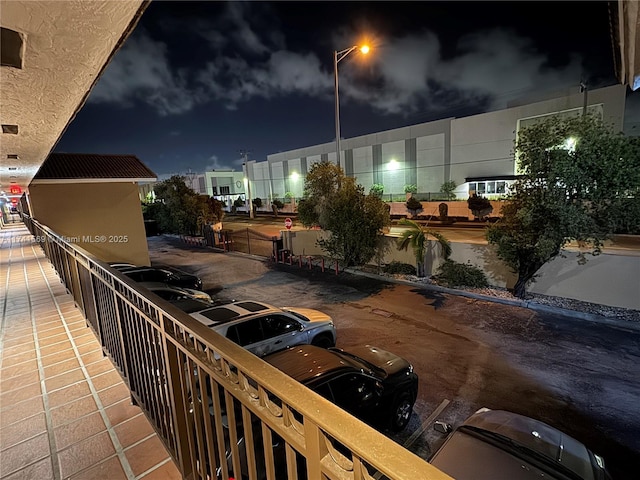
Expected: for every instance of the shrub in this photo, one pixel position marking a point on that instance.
(278, 203)
(238, 202)
(410, 189)
(257, 202)
(454, 274)
(377, 189)
(399, 267)
(413, 206)
(479, 206)
(447, 188)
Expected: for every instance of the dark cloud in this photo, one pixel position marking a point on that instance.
(406, 74)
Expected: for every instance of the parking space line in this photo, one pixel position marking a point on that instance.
(426, 423)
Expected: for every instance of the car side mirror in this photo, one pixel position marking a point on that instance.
(442, 427)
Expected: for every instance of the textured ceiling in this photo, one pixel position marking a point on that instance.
(68, 44)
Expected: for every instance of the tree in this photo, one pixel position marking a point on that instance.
(338, 205)
(417, 238)
(210, 210)
(480, 207)
(448, 188)
(579, 181)
(180, 211)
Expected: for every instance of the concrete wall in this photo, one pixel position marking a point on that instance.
(103, 218)
(562, 277)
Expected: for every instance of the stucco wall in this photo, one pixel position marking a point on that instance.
(109, 213)
(608, 279)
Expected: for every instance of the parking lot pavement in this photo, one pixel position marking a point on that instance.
(581, 377)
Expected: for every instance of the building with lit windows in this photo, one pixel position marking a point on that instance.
(475, 152)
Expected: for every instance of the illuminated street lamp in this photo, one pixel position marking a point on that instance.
(337, 56)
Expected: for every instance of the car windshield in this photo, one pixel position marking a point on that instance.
(380, 372)
(539, 459)
(298, 315)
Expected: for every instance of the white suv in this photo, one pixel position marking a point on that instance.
(262, 328)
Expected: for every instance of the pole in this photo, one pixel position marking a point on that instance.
(583, 89)
(335, 74)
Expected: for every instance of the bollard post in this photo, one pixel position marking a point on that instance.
(322, 265)
(282, 256)
(300, 261)
(336, 267)
(309, 263)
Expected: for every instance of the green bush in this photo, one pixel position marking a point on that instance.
(454, 274)
(413, 205)
(377, 189)
(411, 189)
(399, 267)
(238, 202)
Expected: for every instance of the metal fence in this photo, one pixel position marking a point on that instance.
(245, 240)
(220, 410)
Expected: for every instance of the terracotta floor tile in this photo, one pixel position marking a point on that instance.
(89, 358)
(85, 454)
(61, 367)
(51, 332)
(25, 341)
(114, 394)
(36, 471)
(12, 383)
(109, 469)
(20, 394)
(66, 379)
(72, 411)
(69, 394)
(89, 348)
(21, 368)
(56, 348)
(14, 413)
(145, 455)
(23, 454)
(52, 340)
(133, 430)
(121, 411)
(96, 368)
(22, 430)
(106, 380)
(9, 352)
(58, 357)
(78, 430)
(168, 471)
(86, 339)
(21, 356)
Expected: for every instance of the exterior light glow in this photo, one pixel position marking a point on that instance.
(295, 176)
(393, 164)
(364, 49)
(570, 144)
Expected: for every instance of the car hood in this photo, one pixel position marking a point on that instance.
(389, 362)
(309, 313)
(198, 294)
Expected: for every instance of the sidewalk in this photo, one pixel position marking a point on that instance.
(65, 412)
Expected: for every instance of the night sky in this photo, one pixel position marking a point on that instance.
(197, 83)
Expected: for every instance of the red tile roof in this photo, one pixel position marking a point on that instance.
(91, 166)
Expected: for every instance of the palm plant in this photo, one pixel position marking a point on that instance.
(417, 237)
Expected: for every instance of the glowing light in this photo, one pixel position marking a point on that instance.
(295, 176)
(570, 144)
(393, 164)
(364, 49)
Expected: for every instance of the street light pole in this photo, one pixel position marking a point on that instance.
(337, 56)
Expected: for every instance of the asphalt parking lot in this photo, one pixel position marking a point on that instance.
(583, 378)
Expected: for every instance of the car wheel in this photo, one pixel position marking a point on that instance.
(401, 412)
(323, 341)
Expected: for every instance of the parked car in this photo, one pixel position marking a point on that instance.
(372, 384)
(495, 444)
(262, 328)
(186, 299)
(168, 275)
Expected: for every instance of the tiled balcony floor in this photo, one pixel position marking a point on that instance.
(65, 412)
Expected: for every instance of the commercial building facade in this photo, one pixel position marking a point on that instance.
(475, 152)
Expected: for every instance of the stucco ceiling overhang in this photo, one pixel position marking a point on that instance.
(67, 46)
(628, 16)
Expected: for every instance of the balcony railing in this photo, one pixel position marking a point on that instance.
(220, 410)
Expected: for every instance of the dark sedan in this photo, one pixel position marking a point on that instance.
(372, 384)
(495, 444)
(168, 275)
